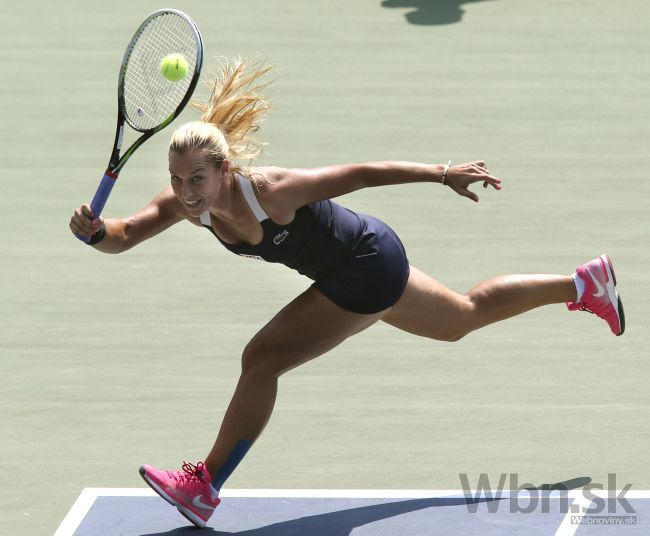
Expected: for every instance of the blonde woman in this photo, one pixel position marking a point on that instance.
(360, 270)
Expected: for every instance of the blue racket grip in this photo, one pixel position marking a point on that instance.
(100, 198)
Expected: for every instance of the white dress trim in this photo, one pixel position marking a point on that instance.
(249, 195)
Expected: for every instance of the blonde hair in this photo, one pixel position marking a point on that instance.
(232, 112)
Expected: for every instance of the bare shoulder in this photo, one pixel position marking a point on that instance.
(265, 178)
(287, 189)
(269, 182)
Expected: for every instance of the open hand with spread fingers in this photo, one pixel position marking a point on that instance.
(460, 176)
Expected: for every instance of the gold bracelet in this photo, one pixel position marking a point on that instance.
(444, 173)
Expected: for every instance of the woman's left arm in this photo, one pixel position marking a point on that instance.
(457, 177)
(298, 187)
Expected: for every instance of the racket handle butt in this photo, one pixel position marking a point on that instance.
(85, 239)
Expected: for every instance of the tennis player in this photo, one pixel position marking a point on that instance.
(359, 267)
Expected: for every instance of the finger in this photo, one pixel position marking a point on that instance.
(78, 231)
(483, 177)
(82, 223)
(470, 195)
(81, 218)
(494, 181)
(85, 209)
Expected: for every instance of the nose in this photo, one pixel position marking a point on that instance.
(186, 190)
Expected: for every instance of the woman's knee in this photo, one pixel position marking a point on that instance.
(453, 335)
(256, 358)
(261, 356)
(464, 322)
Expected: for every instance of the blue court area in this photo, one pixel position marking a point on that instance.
(130, 512)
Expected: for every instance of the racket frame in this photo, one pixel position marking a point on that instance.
(117, 161)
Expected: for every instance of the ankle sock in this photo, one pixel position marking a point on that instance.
(580, 286)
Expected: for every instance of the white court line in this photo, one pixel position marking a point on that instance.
(88, 496)
(567, 527)
(77, 513)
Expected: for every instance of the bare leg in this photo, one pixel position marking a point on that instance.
(247, 415)
(510, 295)
(306, 328)
(430, 309)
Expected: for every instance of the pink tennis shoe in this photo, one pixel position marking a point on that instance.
(600, 296)
(188, 490)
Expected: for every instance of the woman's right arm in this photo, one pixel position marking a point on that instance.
(122, 234)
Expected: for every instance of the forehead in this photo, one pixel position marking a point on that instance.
(186, 162)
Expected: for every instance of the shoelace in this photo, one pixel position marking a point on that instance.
(193, 472)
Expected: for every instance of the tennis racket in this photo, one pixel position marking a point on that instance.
(146, 100)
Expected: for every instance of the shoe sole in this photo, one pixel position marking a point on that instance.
(188, 514)
(610, 272)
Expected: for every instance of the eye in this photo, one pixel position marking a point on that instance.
(174, 178)
(197, 178)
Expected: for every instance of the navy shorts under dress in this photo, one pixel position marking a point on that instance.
(375, 277)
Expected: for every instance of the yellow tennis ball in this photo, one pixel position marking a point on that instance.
(174, 67)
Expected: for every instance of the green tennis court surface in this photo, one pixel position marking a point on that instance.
(108, 362)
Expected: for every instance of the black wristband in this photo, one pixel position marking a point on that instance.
(98, 236)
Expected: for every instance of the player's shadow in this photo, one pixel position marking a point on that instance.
(431, 12)
(339, 523)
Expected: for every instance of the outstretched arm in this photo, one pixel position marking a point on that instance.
(122, 234)
(457, 177)
(298, 187)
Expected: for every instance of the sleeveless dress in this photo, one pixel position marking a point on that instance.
(355, 260)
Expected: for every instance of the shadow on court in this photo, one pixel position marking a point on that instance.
(338, 523)
(431, 12)
(565, 485)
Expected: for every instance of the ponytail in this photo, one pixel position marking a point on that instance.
(233, 111)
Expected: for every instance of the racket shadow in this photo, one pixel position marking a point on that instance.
(431, 12)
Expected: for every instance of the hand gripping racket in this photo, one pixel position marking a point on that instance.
(146, 100)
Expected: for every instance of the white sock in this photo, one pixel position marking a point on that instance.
(580, 286)
(214, 493)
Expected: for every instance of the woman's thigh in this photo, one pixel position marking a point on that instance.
(429, 309)
(307, 327)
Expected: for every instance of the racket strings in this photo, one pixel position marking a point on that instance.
(149, 98)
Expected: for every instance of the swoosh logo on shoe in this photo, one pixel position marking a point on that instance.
(601, 289)
(197, 502)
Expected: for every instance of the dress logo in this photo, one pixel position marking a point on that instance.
(280, 237)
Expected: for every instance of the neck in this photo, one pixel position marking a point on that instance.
(226, 200)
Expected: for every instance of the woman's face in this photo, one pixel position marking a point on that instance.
(195, 181)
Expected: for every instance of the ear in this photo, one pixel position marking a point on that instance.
(225, 167)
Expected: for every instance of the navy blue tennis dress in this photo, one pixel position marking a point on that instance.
(356, 260)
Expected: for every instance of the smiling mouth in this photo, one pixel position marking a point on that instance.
(192, 204)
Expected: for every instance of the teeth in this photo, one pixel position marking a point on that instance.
(192, 203)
